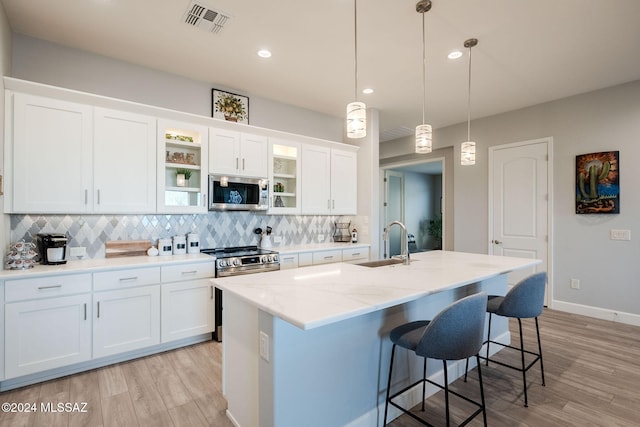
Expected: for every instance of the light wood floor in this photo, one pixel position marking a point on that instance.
(592, 370)
(592, 373)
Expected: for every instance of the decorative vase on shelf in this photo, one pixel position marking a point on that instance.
(180, 180)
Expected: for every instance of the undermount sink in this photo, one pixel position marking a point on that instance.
(381, 262)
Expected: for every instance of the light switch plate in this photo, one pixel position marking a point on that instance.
(78, 251)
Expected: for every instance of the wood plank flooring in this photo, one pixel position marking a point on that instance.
(592, 372)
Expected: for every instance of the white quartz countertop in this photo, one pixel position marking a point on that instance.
(320, 295)
(101, 264)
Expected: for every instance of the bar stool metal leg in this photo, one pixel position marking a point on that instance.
(524, 366)
(540, 351)
(386, 402)
(488, 337)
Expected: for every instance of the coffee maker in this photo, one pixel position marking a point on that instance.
(52, 248)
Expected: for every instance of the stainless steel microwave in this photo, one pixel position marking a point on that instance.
(228, 193)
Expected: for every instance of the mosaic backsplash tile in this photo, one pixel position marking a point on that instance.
(216, 229)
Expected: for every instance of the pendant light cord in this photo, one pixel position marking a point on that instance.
(424, 69)
(355, 43)
(469, 101)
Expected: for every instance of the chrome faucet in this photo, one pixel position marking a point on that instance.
(404, 255)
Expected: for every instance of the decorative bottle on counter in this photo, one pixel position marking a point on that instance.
(354, 235)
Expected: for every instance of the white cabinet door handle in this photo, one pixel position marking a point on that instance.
(128, 279)
(86, 196)
(211, 292)
(85, 311)
(98, 309)
(98, 191)
(242, 163)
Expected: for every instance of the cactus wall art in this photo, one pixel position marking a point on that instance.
(598, 183)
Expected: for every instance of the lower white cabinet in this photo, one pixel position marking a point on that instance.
(126, 319)
(45, 326)
(187, 309)
(359, 254)
(288, 261)
(326, 257)
(188, 300)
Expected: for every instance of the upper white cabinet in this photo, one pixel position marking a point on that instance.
(344, 182)
(182, 167)
(74, 158)
(124, 166)
(284, 177)
(50, 153)
(237, 153)
(329, 181)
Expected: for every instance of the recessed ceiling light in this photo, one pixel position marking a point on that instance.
(264, 53)
(455, 54)
(367, 91)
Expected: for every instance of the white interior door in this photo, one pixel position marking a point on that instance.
(394, 208)
(520, 204)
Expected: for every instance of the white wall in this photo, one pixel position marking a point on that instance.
(5, 69)
(603, 120)
(45, 62)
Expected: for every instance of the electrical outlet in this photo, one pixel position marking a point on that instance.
(277, 239)
(78, 251)
(320, 237)
(575, 283)
(264, 346)
(620, 234)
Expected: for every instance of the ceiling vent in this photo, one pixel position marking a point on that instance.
(202, 16)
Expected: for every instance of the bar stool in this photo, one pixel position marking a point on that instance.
(524, 301)
(455, 333)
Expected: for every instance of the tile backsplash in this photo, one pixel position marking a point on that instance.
(216, 229)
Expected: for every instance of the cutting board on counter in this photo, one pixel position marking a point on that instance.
(120, 248)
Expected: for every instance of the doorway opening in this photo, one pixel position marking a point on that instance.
(414, 195)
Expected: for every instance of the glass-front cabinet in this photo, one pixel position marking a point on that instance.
(182, 167)
(284, 177)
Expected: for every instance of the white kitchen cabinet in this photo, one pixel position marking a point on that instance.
(284, 177)
(358, 254)
(329, 181)
(344, 182)
(124, 166)
(182, 148)
(75, 158)
(49, 155)
(128, 316)
(187, 300)
(47, 323)
(233, 153)
(327, 256)
(288, 261)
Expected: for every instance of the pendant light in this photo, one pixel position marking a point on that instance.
(468, 148)
(356, 111)
(423, 131)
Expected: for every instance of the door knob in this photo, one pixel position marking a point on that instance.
(496, 242)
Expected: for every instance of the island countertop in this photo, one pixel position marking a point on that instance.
(316, 296)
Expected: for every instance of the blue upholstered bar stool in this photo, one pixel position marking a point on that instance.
(524, 301)
(455, 333)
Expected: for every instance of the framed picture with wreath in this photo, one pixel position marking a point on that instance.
(229, 106)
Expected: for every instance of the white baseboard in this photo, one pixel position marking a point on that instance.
(597, 312)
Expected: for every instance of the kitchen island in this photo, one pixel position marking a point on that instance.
(310, 346)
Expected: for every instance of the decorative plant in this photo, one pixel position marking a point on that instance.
(230, 106)
(185, 172)
(435, 229)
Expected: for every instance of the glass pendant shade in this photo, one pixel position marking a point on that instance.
(468, 153)
(423, 139)
(356, 120)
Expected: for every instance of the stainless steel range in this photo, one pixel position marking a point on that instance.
(239, 260)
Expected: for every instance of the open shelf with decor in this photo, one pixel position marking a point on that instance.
(182, 169)
(284, 177)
